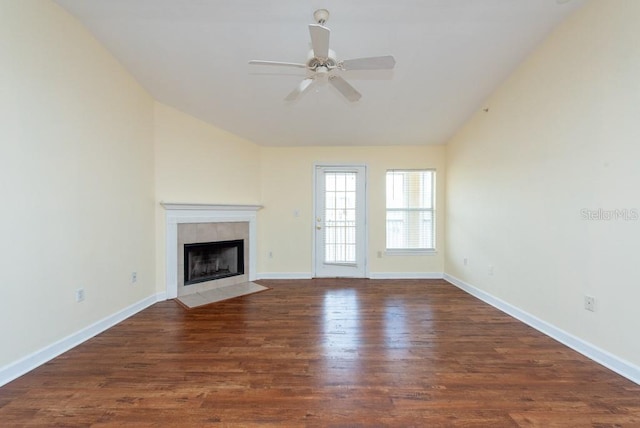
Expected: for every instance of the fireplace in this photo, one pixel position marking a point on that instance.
(208, 261)
(197, 223)
(216, 249)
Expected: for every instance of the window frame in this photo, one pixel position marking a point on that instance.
(431, 210)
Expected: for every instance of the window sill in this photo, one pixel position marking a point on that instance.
(408, 252)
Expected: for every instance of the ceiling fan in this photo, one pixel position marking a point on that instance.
(322, 62)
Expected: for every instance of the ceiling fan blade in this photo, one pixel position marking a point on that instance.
(345, 88)
(370, 63)
(285, 64)
(300, 89)
(319, 40)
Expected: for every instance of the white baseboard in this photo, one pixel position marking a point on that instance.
(406, 275)
(372, 275)
(600, 356)
(284, 275)
(16, 369)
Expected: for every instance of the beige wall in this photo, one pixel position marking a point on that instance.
(76, 179)
(562, 135)
(287, 186)
(196, 162)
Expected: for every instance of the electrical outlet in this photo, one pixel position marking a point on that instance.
(490, 270)
(465, 261)
(590, 303)
(80, 295)
(134, 277)
(379, 254)
(270, 254)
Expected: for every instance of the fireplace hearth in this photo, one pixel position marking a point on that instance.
(208, 261)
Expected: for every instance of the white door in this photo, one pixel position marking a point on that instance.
(340, 221)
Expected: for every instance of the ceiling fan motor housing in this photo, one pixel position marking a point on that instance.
(314, 63)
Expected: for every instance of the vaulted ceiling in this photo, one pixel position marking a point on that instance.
(450, 55)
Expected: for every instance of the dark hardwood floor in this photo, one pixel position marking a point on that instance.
(323, 353)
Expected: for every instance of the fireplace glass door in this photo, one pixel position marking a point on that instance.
(208, 261)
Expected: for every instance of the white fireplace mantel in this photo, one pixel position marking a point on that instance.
(177, 213)
(170, 206)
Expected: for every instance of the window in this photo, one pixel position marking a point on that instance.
(411, 210)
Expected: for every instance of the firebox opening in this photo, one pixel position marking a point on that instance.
(207, 261)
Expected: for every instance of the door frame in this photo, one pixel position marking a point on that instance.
(365, 244)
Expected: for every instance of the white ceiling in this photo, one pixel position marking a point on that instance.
(450, 55)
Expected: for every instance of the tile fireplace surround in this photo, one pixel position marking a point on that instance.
(205, 213)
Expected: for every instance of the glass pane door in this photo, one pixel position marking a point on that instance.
(340, 246)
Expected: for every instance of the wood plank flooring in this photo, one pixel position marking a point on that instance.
(323, 353)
